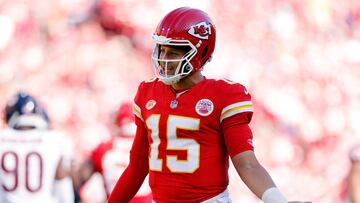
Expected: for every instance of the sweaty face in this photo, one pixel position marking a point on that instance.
(170, 53)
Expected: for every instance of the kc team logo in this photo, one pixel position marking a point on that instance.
(150, 104)
(204, 107)
(200, 30)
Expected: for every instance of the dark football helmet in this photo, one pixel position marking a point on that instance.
(22, 110)
(185, 27)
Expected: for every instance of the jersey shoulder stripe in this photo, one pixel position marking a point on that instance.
(236, 108)
(137, 111)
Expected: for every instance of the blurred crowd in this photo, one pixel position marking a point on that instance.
(299, 59)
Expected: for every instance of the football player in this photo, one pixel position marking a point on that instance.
(33, 164)
(188, 125)
(111, 158)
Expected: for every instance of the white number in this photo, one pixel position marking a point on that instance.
(153, 123)
(174, 143)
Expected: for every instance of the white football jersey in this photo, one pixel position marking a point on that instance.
(28, 164)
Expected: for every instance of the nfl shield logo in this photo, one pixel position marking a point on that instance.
(204, 107)
(173, 104)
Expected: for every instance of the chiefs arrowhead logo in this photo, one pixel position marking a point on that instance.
(200, 30)
(150, 104)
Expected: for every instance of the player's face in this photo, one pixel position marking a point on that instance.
(170, 53)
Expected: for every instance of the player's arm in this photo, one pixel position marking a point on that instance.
(84, 173)
(238, 139)
(91, 165)
(354, 182)
(132, 178)
(252, 173)
(63, 185)
(257, 179)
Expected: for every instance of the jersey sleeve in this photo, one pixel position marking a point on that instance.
(140, 140)
(140, 145)
(137, 102)
(236, 114)
(236, 101)
(133, 176)
(238, 138)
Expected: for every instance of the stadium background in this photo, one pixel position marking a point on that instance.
(299, 59)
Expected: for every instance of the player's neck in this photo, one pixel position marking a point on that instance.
(188, 82)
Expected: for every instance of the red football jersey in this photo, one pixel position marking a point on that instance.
(188, 146)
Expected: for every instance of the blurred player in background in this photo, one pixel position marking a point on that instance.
(354, 175)
(189, 125)
(111, 158)
(34, 160)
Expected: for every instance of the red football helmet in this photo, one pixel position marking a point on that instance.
(187, 27)
(124, 124)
